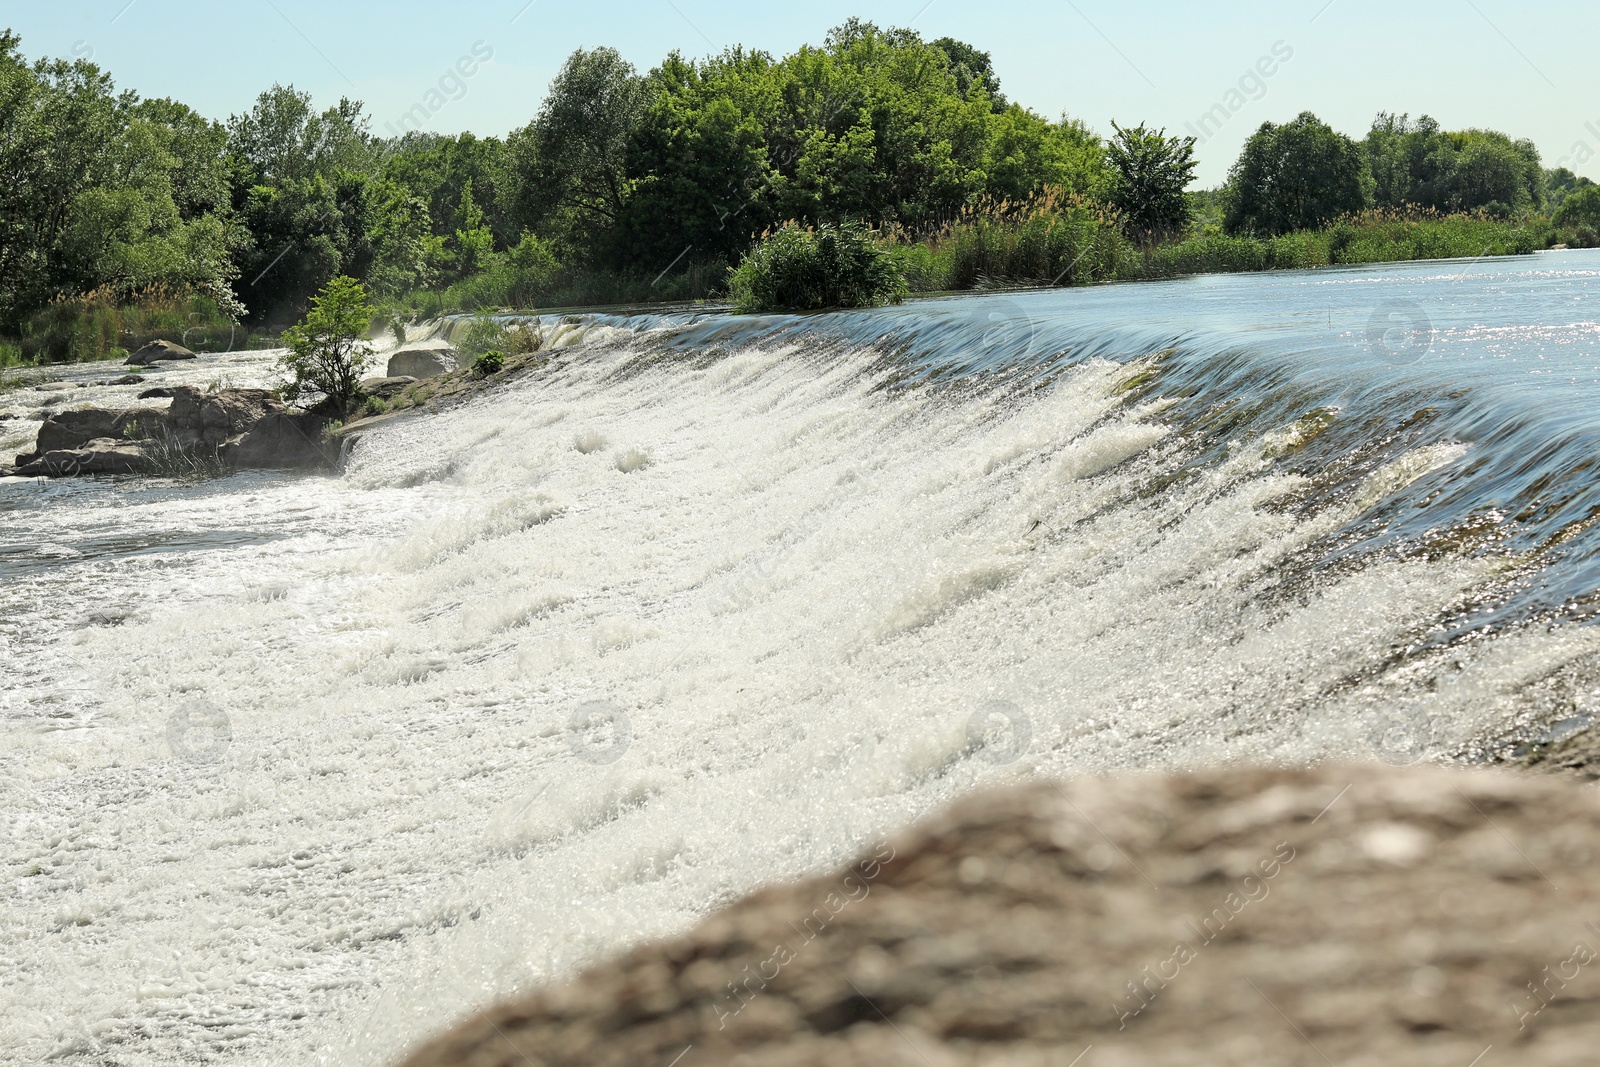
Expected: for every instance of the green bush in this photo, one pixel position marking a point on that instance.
(809, 269)
(326, 351)
(517, 278)
(487, 363)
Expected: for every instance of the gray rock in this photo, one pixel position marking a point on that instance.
(282, 440)
(126, 379)
(158, 351)
(76, 428)
(208, 419)
(1231, 917)
(386, 388)
(55, 387)
(422, 360)
(103, 455)
(160, 392)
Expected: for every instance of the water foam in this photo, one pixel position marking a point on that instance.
(803, 616)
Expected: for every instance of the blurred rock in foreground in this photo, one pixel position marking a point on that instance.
(1355, 916)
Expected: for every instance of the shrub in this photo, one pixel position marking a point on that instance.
(1581, 209)
(487, 363)
(484, 333)
(517, 277)
(102, 324)
(809, 269)
(326, 353)
(1053, 238)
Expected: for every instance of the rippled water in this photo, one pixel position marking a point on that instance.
(298, 768)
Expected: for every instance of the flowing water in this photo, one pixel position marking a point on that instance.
(299, 768)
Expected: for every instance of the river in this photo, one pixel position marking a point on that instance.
(300, 768)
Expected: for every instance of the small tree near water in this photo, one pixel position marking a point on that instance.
(327, 351)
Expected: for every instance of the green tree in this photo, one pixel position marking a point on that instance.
(1580, 208)
(1300, 175)
(972, 69)
(569, 166)
(326, 352)
(1149, 175)
(283, 139)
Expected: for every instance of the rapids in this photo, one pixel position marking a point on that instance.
(298, 769)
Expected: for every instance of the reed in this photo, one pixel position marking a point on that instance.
(105, 324)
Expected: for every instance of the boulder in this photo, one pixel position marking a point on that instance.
(282, 440)
(126, 379)
(160, 392)
(1234, 917)
(103, 455)
(200, 419)
(386, 388)
(55, 387)
(76, 428)
(422, 360)
(158, 351)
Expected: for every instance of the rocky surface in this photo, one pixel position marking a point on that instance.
(422, 359)
(102, 455)
(159, 351)
(1347, 915)
(386, 388)
(248, 428)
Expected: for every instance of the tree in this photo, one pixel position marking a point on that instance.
(971, 68)
(1418, 164)
(1300, 175)
(326, 352)
(282, 139)
(1580, 208)
(1149, 175)
(570, 162)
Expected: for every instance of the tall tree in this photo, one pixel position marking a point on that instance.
(1149, 175)
(570, 163)
(1296, 176)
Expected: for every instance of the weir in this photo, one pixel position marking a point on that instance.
(712, 602)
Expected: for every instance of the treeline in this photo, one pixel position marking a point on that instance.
(123, 218)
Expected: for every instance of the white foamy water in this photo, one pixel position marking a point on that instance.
(573, 665)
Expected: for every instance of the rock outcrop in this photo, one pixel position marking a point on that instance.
(281, 441)
(422, 359)
(103, 455)
(1349, 915)
(157, 352)
(386, 388)
(243, 427)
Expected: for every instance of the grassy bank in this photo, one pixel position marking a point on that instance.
(1059, 240)
(104, 325)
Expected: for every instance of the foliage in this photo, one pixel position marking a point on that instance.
(1297, 176)
(487, 363)
(105, 324)
(1150, 172)
(1581, 208)
(101, 191)
(1418, 164)
(1054, 238)
(484, 333)
(806, 269)
(516, 278)
(326, 353)
(123, 219)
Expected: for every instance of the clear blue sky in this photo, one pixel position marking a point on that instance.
(1521, 67)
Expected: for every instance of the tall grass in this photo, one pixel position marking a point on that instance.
(104, 324)
(1054, 238)
(1057, 239)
